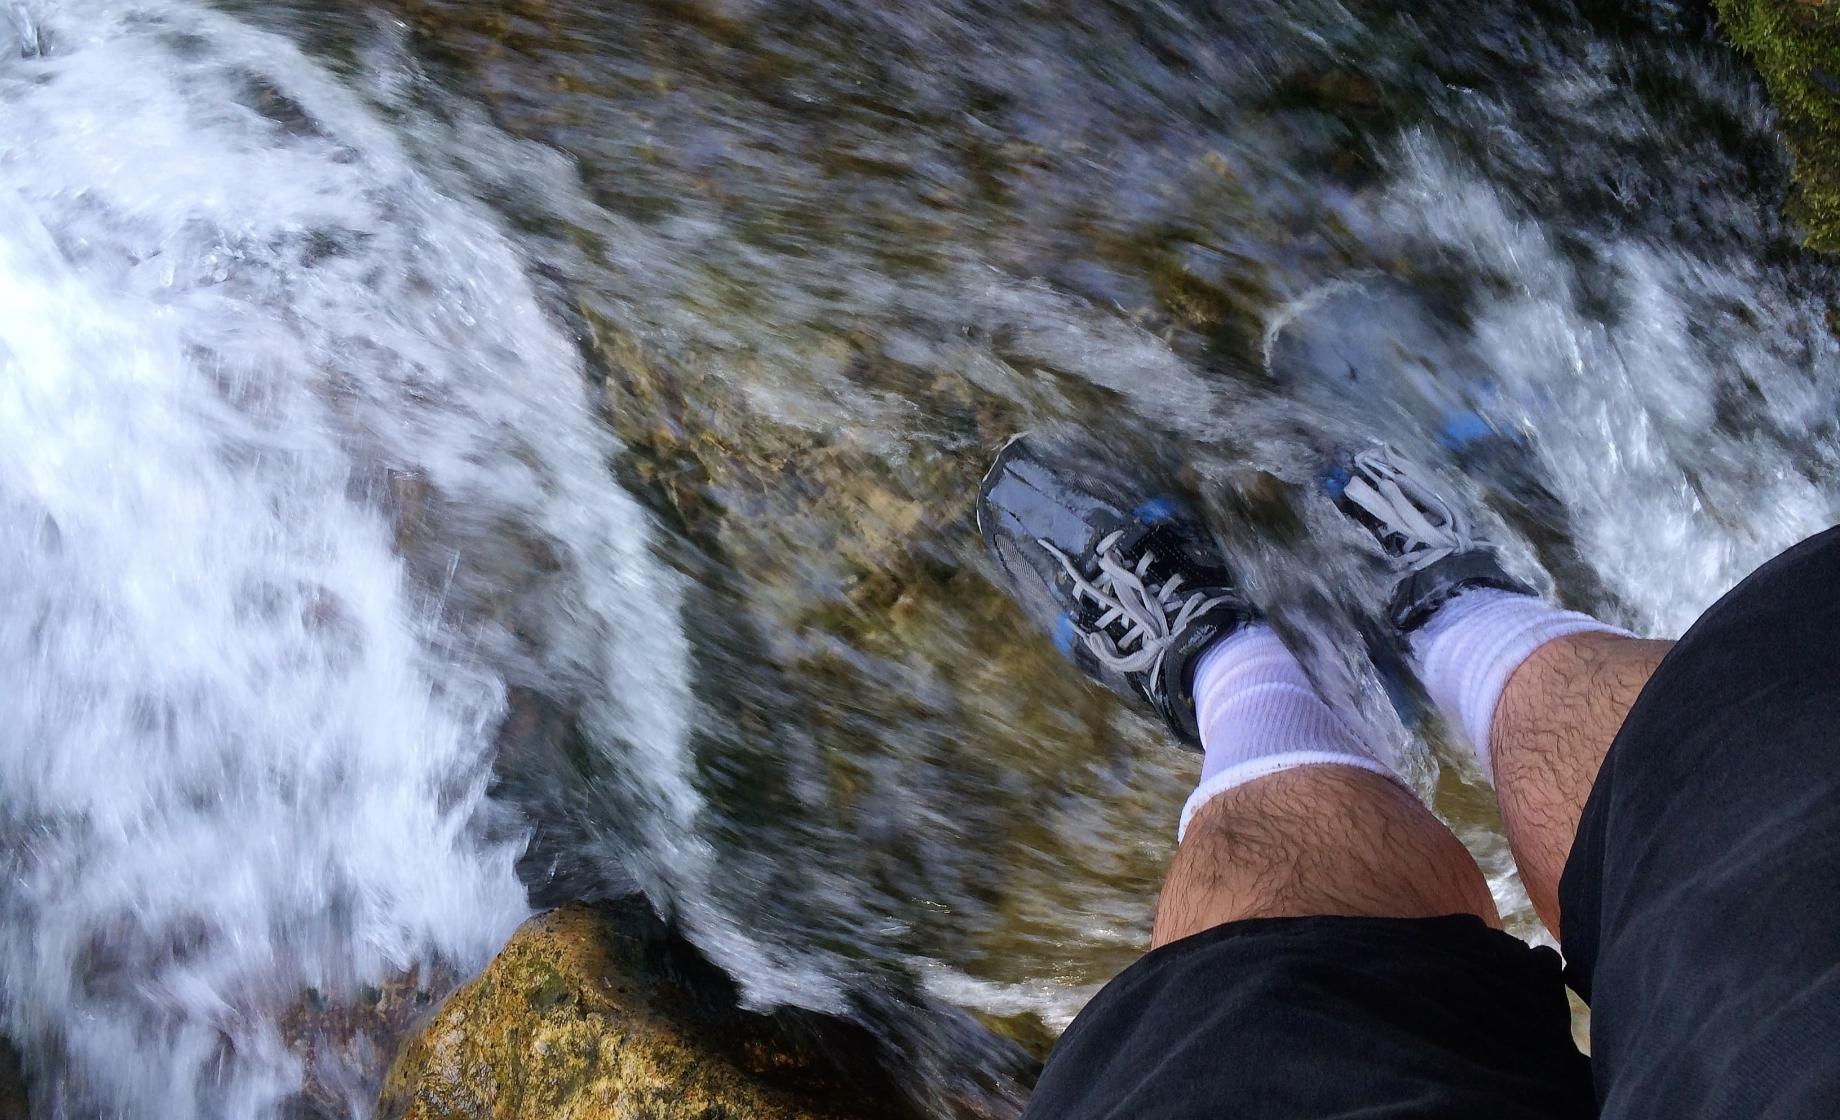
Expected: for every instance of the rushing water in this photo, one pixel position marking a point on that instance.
(456, 458)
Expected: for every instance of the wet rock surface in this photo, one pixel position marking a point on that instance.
(594, 1012)
(15, 1102)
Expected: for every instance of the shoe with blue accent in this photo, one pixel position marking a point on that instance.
(1429, 536)
(1129, 581)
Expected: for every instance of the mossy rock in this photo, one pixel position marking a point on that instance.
(579, 1018)
(1796, 46)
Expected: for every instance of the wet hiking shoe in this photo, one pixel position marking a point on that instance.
(1429, 536)
(1132, 585)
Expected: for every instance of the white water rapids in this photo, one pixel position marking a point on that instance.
(254, 368)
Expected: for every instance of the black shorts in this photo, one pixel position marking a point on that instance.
(1702, 924)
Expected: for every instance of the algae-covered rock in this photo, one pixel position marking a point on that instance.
(1796, 46)
(581, 1018)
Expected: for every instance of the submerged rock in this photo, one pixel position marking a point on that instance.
(1796, 46)
(345, 1039)
(14, 1103)
(588, 1014)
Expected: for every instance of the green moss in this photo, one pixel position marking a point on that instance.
(547, 988)
(1796, 46)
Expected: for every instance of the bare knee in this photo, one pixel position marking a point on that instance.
(1317, 840)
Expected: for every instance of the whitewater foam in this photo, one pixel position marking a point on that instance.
(297, 481)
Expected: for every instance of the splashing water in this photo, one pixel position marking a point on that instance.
(297, 478)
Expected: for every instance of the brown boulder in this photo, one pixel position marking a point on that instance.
(571, 1022)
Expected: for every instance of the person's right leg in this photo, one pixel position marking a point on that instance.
(1539, 693)
(1699, 898)
(1677, 808)
(1552, 727)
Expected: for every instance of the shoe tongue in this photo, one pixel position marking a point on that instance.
(1393, 508)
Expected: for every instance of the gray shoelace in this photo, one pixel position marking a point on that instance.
(1155, 615)
(1425, 527)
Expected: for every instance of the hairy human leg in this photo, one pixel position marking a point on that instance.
(1539, 693)
(1551, 729)
(1317, 840)
(1375, 983)
(1294, 816)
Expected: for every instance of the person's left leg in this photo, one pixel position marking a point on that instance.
(1294, 817)
(1317, 840)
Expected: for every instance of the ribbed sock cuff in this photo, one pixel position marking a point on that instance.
(1236, 776)
(1468, 651)
(1260, 715)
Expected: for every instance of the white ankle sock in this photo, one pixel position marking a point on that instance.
(1467, 651)
(1260, 715)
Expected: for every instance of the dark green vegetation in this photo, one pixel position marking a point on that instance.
(1796, 46)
